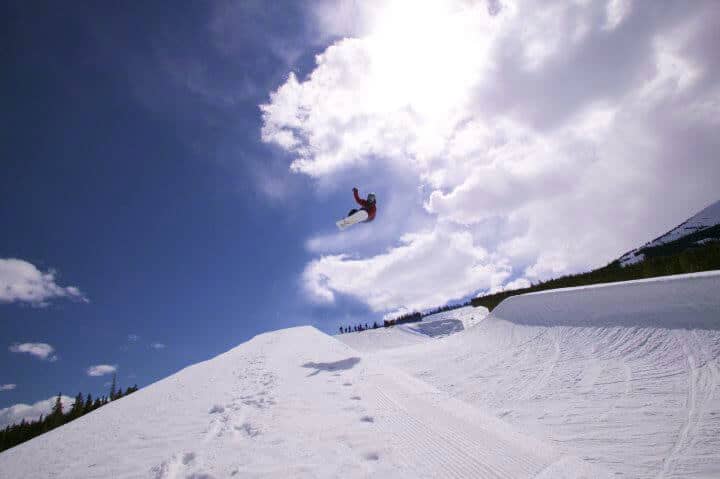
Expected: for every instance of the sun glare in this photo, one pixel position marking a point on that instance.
(426, 55)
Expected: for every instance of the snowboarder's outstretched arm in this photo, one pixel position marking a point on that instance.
(359, 200)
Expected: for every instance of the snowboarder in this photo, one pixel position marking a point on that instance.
(364, 214)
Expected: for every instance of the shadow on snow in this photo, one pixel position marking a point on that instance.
(343, 364)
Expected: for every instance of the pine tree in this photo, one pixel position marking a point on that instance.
(77, 408)
(113, 388)
(57, 409)
(56, 417)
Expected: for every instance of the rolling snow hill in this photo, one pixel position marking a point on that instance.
(611, 380)
(704, 220)
(292, 403)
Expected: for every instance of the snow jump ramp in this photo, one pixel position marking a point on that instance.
(623, 375)
(292, 403)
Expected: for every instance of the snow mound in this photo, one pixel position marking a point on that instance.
(381, 339)
(292, 403)
(625, 375)
(443, 324)
(437, 325)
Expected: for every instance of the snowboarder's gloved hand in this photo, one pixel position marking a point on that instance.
(355, 190)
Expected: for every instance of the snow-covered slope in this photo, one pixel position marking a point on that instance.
(382, 339)
(618, 379)
(437, 325)
(623, 375)
(707, 218)
(448, 322)
(293, 403)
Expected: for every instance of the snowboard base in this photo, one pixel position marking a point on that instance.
(357, 217)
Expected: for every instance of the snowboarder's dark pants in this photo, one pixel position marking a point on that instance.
(355, 210)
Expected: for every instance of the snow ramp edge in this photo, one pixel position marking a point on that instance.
(689, 301)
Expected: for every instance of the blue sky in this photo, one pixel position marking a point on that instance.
(143, 194)
(182, 164)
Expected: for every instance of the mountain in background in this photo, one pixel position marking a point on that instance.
(701, 229)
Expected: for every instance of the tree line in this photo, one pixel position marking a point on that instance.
(16, 434)
(357, 328)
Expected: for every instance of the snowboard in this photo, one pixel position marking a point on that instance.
(357, 217)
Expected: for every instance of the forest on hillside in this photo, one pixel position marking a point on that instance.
(16, 434)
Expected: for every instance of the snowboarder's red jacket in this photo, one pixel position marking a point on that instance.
(370, 208)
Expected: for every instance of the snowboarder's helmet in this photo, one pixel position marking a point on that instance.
(371, 197)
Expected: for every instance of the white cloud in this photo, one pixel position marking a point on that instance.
(425, 270)
(39, 350)
(101, 370)
(7, 387)
(554, 135)
(616, 11)
(17, 412)
(519, 283)
(157, 346)
(21, 281)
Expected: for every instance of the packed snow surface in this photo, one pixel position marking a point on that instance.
(624, 375)
(707, 218)
(435, 326)
(615, 380)
(293, 403)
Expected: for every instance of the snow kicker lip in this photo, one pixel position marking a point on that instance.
(674, 302)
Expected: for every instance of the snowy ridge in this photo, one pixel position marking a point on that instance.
(292, 403)
(625, 376)
(443, 324)
(706, 218)
(469, 316)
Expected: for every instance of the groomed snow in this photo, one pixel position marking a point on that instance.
(609, 380)
(292, 403)
(623, 375)
(434, 326)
